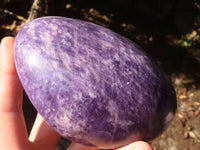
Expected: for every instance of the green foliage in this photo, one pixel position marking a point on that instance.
(188, 40)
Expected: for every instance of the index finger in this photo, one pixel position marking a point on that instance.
(12, 126)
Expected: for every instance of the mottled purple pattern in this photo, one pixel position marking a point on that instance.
(92, 85)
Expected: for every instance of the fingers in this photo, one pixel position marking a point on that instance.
(43, 133)
(139, 145)
(76, 146)
(11, 88)
(12, 123)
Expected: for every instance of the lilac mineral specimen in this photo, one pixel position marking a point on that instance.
(92, 85)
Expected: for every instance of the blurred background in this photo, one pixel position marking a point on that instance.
(168, 30)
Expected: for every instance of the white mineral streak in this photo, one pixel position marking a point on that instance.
(77, 96)
(108, 62)
(151, 71)
(62, 117)
(169, 117)
(134, 71)
(33, 35)
(114, 119)
(53, 27)
(30, 27)
(140, 98)
(68, 35)
(48, 110)
(116, 56)
(55, 64)
(76, 38)
(106, 35)
(117, 122)
(105, 44)
(122, 49)
(48, 47)
(65, 59)
(91, 94)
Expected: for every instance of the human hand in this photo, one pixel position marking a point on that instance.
(13, 133)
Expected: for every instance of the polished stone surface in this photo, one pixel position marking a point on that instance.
(92, 85)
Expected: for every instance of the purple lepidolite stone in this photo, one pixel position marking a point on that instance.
(92, 85)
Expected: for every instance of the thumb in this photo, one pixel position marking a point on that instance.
(139, 145)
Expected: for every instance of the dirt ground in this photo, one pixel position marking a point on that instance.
(167, 31)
